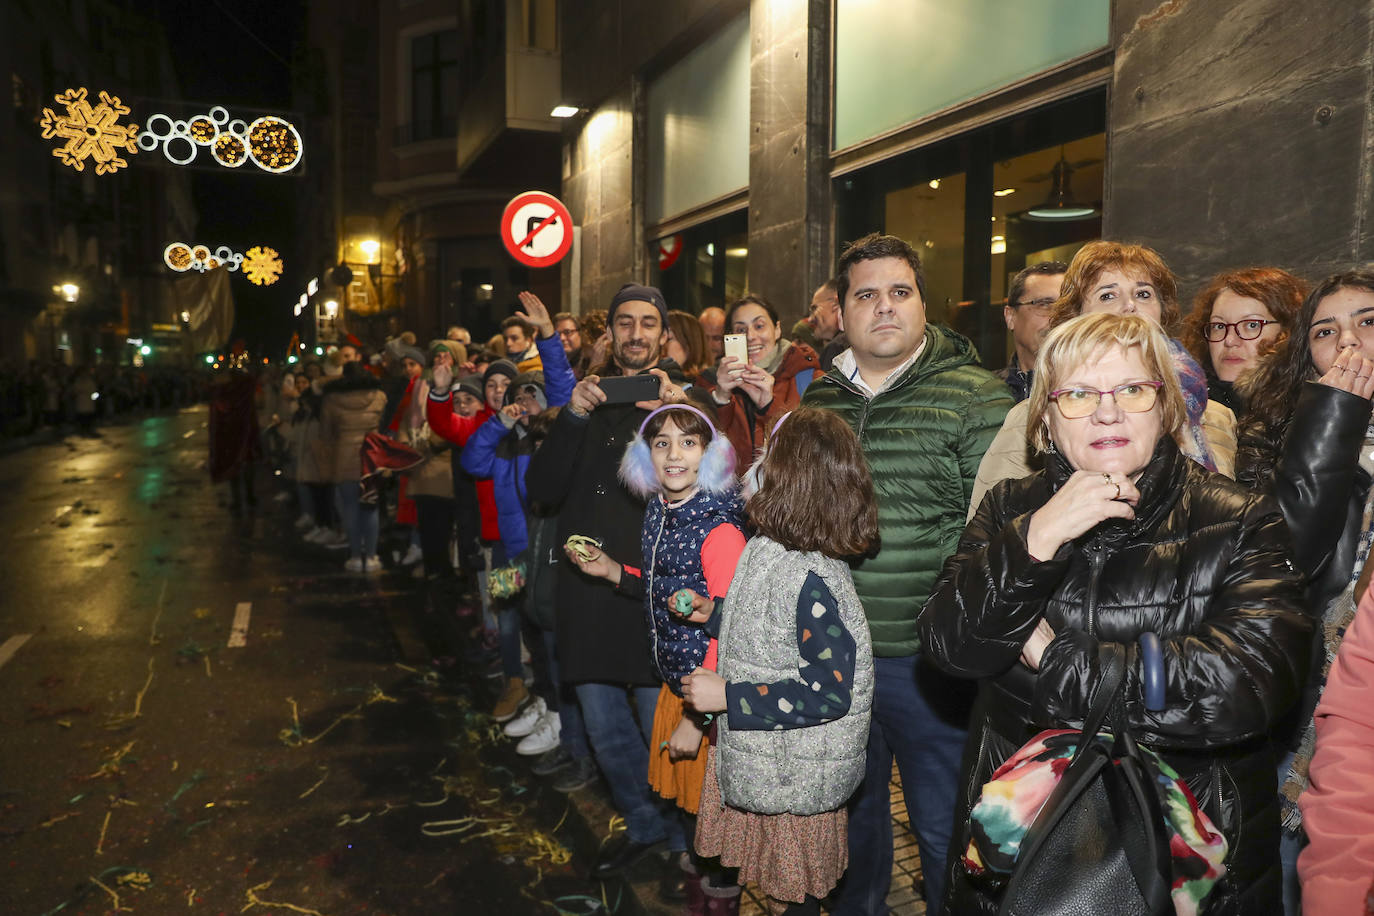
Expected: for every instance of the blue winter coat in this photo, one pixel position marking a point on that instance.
(504, 454)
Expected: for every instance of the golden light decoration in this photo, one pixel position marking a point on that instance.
(178, 256)
(200, 253)
(229, 151)
(91, 132)
(202, 130)
(274, 144)
(182, 257)
(262, 265)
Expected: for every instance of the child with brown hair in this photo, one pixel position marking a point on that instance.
(795, 681)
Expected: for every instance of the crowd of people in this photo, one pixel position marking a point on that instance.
(752, 572)
(57, 396)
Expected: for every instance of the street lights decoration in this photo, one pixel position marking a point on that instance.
(271, 143)
(182, 257)
(91, 132)
(262, 265)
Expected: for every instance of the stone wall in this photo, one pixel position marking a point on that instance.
(1239, 134)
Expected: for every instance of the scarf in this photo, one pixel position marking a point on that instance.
(1336, 618)
(1193, 380)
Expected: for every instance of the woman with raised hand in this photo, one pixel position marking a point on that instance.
(1121, 535)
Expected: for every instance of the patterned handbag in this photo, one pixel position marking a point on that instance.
(1068, 825)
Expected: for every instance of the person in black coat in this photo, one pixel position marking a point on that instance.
(1121, 534)
(602, 635)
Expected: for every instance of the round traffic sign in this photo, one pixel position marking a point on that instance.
(669, 250)
(536, 229)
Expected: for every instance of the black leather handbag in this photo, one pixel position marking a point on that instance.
(1100, 844)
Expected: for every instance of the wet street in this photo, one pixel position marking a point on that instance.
(203, 715)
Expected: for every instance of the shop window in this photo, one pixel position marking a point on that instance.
(982, 206)
(712, 268)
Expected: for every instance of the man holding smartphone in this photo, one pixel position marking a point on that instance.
(602, 635)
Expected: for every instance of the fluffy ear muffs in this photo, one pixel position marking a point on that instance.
(716, 474)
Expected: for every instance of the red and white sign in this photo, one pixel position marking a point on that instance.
(536, 229)
(669, 250)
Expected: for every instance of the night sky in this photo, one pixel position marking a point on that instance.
(239, 53)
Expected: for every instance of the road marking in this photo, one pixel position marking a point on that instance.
(238, 636)
(11, 646)
(62, 511)
(188, 434)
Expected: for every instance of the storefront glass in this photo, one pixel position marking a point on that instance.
(982, 206)
(711, 268)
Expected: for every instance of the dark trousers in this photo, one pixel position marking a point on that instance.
(435, 524)
(322, 504)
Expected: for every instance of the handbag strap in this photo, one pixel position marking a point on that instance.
(1113, 674)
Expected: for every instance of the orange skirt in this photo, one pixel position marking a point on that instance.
(679, 780)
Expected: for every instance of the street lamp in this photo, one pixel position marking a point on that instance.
(69, 291)
(331, 307)
(371, 249)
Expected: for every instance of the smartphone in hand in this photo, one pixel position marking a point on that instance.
(627, 389)
(736, 346)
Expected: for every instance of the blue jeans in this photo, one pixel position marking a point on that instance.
(360, 521)
(573, 735)
(920, 717)
(1290, 845)
(620, 746)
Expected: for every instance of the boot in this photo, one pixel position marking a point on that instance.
(512, 698)
(721, 901)
(695, 904)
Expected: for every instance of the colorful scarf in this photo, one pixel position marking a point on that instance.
(1019, 788)
(1193, 380)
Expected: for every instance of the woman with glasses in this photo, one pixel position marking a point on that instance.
(1307, 439)
(1237, 320)
(1118, 536)
(1125, 280)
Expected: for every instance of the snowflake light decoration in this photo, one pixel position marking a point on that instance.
(90, 132)
(262, 265)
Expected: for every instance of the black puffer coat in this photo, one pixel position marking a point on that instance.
(1205, 565)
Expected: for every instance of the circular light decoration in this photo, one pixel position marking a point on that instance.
(178, 256)
(200, 253)
(274, 144)
(203, 131)
(229, 151)
(262, 265)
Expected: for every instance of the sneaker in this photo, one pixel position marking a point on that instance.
(577, 775)
(413, 555)
(316, 534)
(528, 720)
(354, 564)
(544, 737)
(337, 541)
(551, 761)
(511, 699)
(372, 564)
(306, 522)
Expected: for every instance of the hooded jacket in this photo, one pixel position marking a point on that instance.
(1206, 566)
(351, 409)
(923, 436)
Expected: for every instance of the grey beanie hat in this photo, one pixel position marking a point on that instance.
(412, 353)
(633, 292)
(472, 384)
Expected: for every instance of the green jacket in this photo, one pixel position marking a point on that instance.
(923, 437)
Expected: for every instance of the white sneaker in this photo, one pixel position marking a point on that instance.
(354, 564)
(413, 555)
(372, 564)
(528, 719)
(334, 541)
(305, 522)
(543, 738)
(314, 535)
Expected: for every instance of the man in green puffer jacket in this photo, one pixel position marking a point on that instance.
(925, 412)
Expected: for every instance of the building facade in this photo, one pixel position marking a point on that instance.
(746, 141)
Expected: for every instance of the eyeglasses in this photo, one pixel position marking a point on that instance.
(1040, 305)
(1248, 329)
(1132, 397)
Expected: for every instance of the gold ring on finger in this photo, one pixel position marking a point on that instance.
(1118, 490)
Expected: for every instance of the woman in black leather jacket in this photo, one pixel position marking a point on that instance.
(1307, 440)
(1120, 535)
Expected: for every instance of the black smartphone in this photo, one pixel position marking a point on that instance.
(627, 389)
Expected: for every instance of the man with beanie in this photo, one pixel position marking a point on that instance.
(602, 636)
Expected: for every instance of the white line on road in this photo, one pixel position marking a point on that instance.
(11, 646)
(238, 637)
(188, 434)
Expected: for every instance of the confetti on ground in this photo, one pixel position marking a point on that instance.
(255, 900)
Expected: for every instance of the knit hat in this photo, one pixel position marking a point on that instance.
(459, 352)
(633, 292)
(500, 367)
(472, 384)
(412, 353)
(534, 381)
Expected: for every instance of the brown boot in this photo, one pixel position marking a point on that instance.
(512, 697)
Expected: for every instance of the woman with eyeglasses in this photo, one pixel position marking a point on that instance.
(1237, 320)
(1307, 439)
(1118, 536)
(1125, 280)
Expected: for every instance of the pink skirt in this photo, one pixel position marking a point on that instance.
(786, 855)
